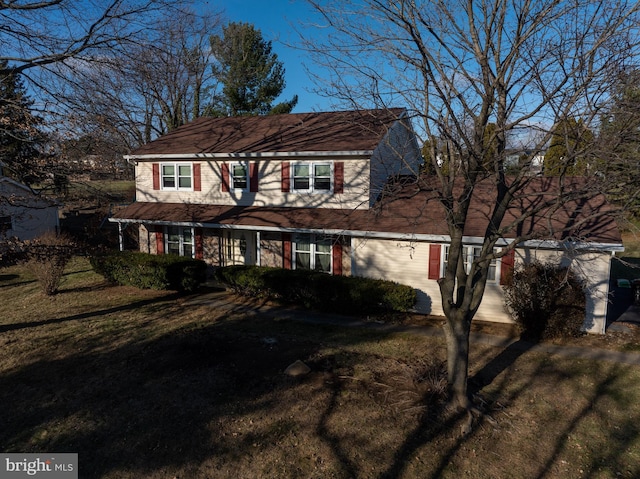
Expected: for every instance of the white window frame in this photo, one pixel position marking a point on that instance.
(182, 242)
(471, 252)
(176, 176)
(312, 177)
(232, 177)
(314, 241)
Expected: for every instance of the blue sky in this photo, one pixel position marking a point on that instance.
(274, 19)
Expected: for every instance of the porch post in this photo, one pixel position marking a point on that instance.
(258, 261)
(120, 236)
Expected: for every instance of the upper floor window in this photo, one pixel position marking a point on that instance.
(312, 177)
(238, 175)
(176, 176)
(312, 253)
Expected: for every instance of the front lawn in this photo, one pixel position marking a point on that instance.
(147, 384)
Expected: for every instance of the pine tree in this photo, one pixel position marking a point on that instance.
(251, 74)
(619, 140)
(20, 137)
(569, 148)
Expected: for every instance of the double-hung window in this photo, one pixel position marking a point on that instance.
(312, 177)
(470, 254)
(179, 241)
(312, 253)
(177, 176)
(239, 176)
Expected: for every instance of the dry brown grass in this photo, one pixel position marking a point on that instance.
(144, 384)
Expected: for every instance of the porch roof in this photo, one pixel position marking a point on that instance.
(408, 214)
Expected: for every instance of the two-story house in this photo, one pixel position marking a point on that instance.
(308, 191)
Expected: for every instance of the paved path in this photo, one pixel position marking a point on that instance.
(226, 302)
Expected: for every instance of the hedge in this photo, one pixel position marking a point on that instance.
(319, 291)
(147, 271)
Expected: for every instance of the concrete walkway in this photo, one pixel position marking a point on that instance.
(226, 302)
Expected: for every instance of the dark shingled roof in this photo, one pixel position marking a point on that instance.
(296, 132)
(411, 212)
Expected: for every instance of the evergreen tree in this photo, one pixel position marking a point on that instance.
(619, 141)
(252, 77)
(567, 153)
(20, 137)
(620, 128)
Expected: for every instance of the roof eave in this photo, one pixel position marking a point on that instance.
(431, 238)
(255, 155)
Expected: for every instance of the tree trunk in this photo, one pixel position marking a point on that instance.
(456, 331)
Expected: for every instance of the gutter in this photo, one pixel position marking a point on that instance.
(410, 237)
(226, 156)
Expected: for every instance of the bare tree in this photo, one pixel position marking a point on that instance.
(38, 33)
(476, 75)
(147, 90)
(46, 42)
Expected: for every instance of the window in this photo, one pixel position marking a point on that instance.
(238, 173)
(5, 224)
(474, 255)
(312, 177)
(312, 253)
(176, 176)
(179, 241)
(470, 254)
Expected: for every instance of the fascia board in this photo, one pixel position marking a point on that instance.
(255, 155)
(411, 237)
(573, 245)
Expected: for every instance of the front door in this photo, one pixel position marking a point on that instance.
(240, 247)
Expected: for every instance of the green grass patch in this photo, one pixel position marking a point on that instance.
(631, 242)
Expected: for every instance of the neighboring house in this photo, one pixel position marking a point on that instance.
(24, 214)
(514, 158)
(309, 191)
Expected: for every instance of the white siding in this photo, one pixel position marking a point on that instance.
(399, 261)
(30, 216)
(593, 268)
(29, 223)
(356, 187)
(408, 263)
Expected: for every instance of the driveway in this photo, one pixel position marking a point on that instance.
(622, 314)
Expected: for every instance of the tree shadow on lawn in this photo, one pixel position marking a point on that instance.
(151, 407)
(87, 315)
(7, 280)
(143, 406)
(604, 389)
(8, 277)
(439, 423)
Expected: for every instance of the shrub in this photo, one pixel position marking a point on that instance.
(547, 301)
(320, 291)
(12, 251)
(46, 258)
(149, 271)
